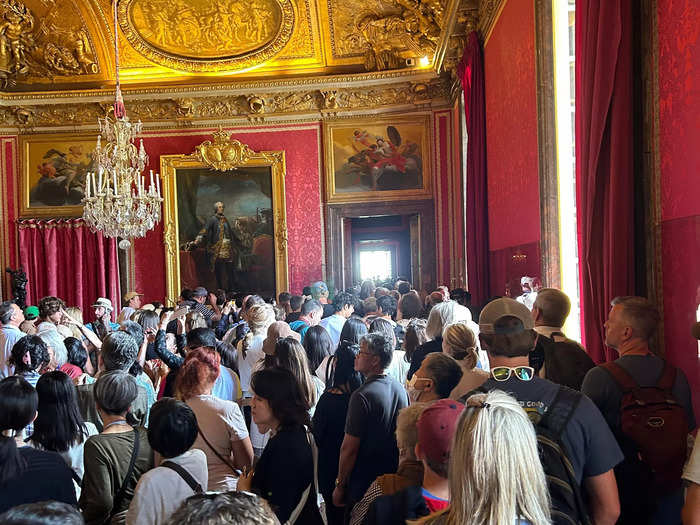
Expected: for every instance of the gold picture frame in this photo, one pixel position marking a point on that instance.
(52, 174)
(223, 157)
(387, 158)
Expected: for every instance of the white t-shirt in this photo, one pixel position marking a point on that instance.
(160, 491)
(398, 368)
(74, 455)
(251, 362)
(222, 423)
(692, 468)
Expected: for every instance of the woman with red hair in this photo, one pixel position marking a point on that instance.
(223, 435)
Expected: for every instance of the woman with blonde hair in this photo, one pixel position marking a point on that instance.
(249, 352)
(495, 473)
(459, 342)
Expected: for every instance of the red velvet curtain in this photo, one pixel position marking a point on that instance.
(471, 74)
(62, 257)
(604, 162)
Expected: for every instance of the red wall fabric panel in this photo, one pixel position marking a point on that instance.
(8, 210)
(679, 110)
(508, 265)
(679, 136)
(511, 128)
(303, 199)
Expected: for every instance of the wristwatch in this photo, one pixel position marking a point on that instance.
(339, 483)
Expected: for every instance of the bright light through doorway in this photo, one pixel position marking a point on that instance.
(375, 264)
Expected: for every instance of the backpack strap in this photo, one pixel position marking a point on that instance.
(117, 501)
(75, 477)
(561, 410)
(196, 487)
(216, 453)
(667, 378)
(621, 376)
(314, 482)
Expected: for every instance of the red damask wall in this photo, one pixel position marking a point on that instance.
(511, 143)
(301, 144)
(679, 137)
(9, 166)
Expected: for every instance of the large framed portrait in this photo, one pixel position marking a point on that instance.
(224, 219)
(387, 158)
(53, 174)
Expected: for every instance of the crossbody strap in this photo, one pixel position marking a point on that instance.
(305, 495)
(122, 489)
(196, 487)
(216, 453)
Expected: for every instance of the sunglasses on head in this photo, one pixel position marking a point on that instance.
(503, 373)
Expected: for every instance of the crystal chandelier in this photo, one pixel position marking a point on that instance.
(117, 200)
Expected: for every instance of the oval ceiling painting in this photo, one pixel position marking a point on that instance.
(207, 35)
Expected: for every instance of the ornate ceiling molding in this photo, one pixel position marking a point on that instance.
(253, 107)
(489, 11)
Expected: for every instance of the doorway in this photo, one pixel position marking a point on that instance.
(395, 238)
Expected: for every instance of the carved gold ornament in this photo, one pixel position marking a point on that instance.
(43, 44)
(223, 154)
(207, 35)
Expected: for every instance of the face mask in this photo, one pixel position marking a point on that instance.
(414, 392)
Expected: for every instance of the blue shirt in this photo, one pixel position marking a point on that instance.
(9, 335)
(227, 386)
(334, 325)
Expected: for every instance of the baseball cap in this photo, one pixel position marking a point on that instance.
(31, 313)
(277, 330)
(104, 302)
(436, 426)
(504, 307)
(130, 295)
(200, 291)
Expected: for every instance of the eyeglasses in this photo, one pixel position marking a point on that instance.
(363, 352)
(503, 373)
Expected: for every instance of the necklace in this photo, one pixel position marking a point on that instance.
(117, 422)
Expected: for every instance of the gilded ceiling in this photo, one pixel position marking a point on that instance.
(59, 44)
(199, 61)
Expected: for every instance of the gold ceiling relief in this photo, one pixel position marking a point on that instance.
(47, 41)
(385, 33)
(206, 35)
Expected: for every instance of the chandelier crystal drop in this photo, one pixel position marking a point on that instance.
(117, 201)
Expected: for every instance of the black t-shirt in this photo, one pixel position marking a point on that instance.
(372, 418)
(46, 477)
(590, 444)
(284, 471)
(426, 348)
(291, 317)
(329, 431)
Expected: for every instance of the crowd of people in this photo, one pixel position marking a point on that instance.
(376, 405)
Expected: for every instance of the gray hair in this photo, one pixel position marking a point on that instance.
(232, 508)
(443, 314)
(6, 312)
(381, 346)
(115, 391)
(554, 305)
(495, 470)
(119, 351)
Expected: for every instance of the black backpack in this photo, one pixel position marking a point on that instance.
(565, 361)
(567, 503)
